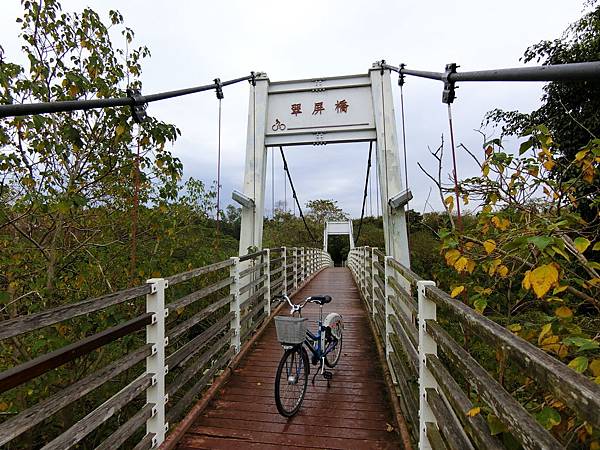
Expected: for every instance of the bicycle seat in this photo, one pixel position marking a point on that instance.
(320, 299)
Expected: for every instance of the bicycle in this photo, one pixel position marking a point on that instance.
(325, 346)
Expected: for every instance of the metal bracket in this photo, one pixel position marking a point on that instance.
(449, 93)
(219, 88)
(252, 79)
(401, 75)
(138, 106)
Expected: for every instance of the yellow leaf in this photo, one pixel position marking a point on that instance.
(461, 264)
(526, 283)
(449, 201)
(120, 130)
(470, 266)
(489, 245)
(580, 155)
(550, 340)
(494, 266)
(581, 244)
(563, 312)
(473, 411)
(545, 330)
(503, 271)
(451, 256)
(73, 90)
(559, 289)
(500, 223)
(3, 406)
(486, 170)
(456, 291)
(465, 199)
(543, 278)
(515, 327)
(595, 367)
(549, 164)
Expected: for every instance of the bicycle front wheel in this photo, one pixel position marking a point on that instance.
(291, 381)
(333, 356)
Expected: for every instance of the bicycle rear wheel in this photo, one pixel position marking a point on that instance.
(291, 381)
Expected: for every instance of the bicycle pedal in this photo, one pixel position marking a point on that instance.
(328, 375)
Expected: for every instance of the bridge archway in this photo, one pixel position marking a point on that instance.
(356, 108)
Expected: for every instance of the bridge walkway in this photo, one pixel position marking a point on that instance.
(353, 413)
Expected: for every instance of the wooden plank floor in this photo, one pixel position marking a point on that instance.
(353, 413)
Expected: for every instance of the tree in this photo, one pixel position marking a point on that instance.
(322, 211)
(65, 175)
(528, 260)
(570, 109)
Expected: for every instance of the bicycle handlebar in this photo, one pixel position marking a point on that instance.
(296, 307)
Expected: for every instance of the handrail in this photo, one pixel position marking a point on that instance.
(31, 322)
(42, 364)
(207, 326)
(411, 351)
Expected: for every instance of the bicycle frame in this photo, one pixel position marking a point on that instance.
(316, 342)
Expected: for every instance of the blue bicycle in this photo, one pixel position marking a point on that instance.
(325, 347)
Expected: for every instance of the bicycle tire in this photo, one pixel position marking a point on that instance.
(296, 365)
(331, 363)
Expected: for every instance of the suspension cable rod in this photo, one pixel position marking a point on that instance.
(362, 214)
(554, 72)
(26, 109)
(285, 167)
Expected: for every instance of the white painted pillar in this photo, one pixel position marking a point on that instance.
(427, 311)
(256, 168)
(155, 363)
(388, 165)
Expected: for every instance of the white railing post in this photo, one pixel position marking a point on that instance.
(295, 268)
(285, 272)
(267, 258)
(155, 363)
(373, 269)
(303, 263)
(234, 305)
(427, 311)
(388, 272)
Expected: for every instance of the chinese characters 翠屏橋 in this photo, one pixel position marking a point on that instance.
(341, 106)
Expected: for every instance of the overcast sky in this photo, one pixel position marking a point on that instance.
(194, 42)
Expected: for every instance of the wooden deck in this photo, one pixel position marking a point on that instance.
(353, 413)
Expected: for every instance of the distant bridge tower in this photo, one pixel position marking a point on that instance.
(338, 229)
(319, 111)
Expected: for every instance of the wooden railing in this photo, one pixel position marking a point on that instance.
(434, 375)
(195, 323)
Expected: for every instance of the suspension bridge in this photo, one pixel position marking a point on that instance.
(199, 363)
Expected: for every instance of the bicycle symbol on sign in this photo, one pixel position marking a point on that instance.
(278, 126)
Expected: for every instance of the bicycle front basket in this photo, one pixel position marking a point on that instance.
(290, 330)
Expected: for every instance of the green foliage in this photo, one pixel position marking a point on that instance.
(526, 260)
(69, 225)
